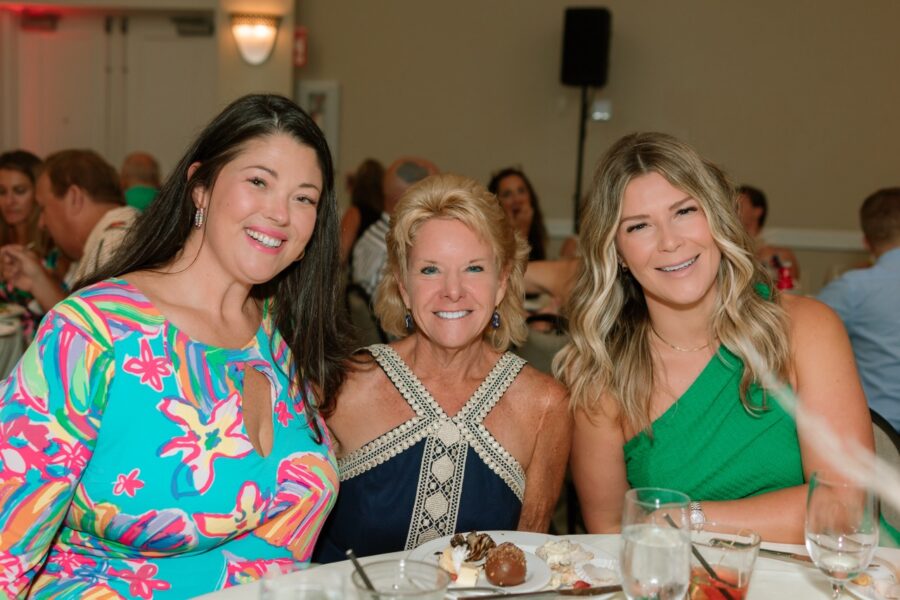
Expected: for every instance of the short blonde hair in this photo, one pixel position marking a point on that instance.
(455, 197)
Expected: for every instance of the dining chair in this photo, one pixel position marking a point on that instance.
(887, 447)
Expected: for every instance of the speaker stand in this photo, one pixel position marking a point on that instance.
(582, 133)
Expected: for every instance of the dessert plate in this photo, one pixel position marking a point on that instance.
(537, 573)
(601, 570)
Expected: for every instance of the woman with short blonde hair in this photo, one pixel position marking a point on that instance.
(436, 430)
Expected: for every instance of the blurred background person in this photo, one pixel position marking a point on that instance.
(445, 413)
(83, 209)
(370, 252)
(753, 210)
(366, 187)
(140, 179)
(20, 228)
(866, 301)
(519, 200)
(674, 323)
(169, 440)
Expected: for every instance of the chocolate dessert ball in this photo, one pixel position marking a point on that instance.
(505, 565)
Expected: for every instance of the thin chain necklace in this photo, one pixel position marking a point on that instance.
(679, 348)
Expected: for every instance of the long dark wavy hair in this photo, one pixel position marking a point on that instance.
(537, 233)
(306, 296)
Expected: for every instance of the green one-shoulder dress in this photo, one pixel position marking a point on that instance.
(708, 446)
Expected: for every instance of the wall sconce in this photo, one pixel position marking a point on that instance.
(255, 36)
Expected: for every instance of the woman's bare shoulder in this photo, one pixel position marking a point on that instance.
(540, 388)
(805, 313)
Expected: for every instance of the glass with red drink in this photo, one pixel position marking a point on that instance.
(729, 554)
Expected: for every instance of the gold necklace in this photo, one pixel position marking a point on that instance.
(679, 348)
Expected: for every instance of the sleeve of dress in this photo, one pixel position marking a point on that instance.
(50, 411)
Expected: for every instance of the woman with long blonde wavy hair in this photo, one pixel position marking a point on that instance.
(673, 321)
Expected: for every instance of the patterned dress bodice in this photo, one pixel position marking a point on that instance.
(125, 466)
(430, 476)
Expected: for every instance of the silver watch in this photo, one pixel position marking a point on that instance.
(698, 517)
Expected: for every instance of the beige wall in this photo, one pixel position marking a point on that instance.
(797, 97)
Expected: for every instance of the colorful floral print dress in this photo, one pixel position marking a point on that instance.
(125, 468)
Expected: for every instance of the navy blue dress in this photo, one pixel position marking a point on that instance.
(431, 476)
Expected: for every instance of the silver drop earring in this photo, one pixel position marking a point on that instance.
(199, 217)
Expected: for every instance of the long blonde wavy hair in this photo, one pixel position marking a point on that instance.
(609, 351)
(450, 196)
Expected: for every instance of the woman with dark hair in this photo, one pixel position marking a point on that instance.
(516, 195)
(20, 229)
(366, 203)
(753, 208)
(162, 434)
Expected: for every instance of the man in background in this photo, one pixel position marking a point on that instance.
(83, 209)
(370, 252)
(140, 179)
(867, 300)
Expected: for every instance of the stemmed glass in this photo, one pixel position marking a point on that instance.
(656, 544)
(841, 528)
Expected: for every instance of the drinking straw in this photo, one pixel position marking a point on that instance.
(699, 557)
(359, 569)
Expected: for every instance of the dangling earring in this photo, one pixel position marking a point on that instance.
(495, 320)
(408, 321)
(199, 217)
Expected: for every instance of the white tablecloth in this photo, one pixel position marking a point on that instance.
(771, 578)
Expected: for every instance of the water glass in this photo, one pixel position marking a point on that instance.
(730, 553)
(302, 583)
(655, 557)
(286, 588)
(402, 579)
(841, 528)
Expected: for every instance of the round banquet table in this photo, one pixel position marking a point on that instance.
(772, 578)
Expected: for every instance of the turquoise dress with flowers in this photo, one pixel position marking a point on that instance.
(125, 467)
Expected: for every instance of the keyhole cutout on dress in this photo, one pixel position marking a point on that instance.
(258, 411)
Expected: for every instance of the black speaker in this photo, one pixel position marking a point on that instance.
(585, 59)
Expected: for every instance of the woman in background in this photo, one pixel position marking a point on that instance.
(366, 204)
(20, 228)
(667, 312)
(437, 430)
(519, 201)
(161, 435)
(753, 210)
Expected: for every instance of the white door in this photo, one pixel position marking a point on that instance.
(170, 88)
(112, 84)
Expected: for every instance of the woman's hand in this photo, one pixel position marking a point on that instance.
(20, 267)
(23, 269)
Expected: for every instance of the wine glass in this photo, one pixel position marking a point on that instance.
(841, 528)
(656, 544)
